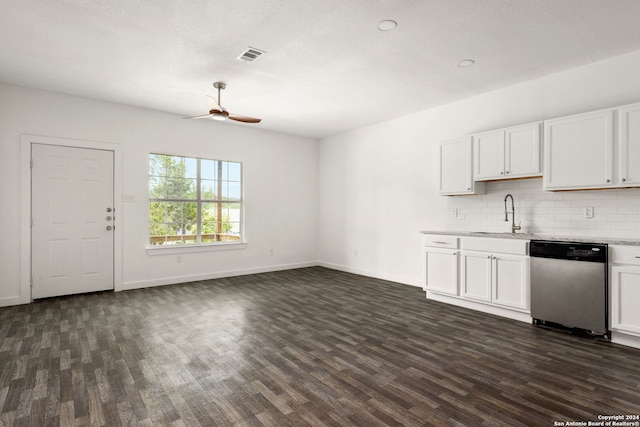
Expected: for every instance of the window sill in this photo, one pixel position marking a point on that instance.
(169, 250)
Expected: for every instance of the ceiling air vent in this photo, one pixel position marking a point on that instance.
(250, 54)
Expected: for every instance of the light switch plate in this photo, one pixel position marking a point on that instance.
(128, 198)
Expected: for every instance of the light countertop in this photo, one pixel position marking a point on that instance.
(530, 236)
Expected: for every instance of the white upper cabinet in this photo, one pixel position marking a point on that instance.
(508, 153)
(629, 146)
(522, 151)
(456, 168)
(489, 155)
(578, 151)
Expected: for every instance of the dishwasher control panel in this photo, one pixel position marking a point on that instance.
(593, 252)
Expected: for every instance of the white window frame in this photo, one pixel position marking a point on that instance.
(198, 246)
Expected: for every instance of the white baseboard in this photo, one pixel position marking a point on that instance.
(369, 273)
(478, 306)
(139, 284)
(8, 301)
(624, 339)
(214, 275)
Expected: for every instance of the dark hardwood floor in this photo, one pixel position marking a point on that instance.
(308, 347)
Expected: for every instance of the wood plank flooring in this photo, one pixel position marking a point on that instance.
(307, 347)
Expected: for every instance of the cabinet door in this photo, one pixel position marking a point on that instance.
(456, 168)
(442, 271)
(578, 151)
(510, 281)
(629, 153)
(625, 299)
(522, 151)
(476, 276)
(488, 155)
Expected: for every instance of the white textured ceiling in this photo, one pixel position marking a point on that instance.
(327, 68)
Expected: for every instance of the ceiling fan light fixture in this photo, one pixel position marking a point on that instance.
(219, 117)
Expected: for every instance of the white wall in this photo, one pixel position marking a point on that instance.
(378, 184)
(355, 201)
(281, 184)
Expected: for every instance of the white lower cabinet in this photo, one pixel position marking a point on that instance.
(511, 281)
(441, 261)
(485, 274)
(625, 299)
(442, 271)
(499, 279)
(624, 294)
(476, 276)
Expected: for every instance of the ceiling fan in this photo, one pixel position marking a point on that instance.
(216, 112)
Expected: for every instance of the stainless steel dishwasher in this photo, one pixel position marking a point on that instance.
(569, 285)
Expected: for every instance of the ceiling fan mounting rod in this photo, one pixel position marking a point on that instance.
(219, 86)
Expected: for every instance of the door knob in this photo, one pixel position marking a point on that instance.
(108, 209)
(109, 218)
(109, 228)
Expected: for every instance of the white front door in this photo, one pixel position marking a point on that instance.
(72, 220)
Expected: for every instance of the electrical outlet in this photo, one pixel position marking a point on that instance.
(128, 198)
(588, 212)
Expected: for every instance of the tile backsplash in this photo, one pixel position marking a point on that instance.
(616, 213)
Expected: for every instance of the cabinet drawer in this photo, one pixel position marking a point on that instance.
(504, 246)
(440, 241)
(622, 254)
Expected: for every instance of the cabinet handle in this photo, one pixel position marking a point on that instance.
(501, 173)
(468, 188)
(608, 180)
(624, 179)
(637, 256)
(507, 172)
(439, 242)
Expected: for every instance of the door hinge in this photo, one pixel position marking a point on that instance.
(31, 163)
(31, 281)
(31, 222)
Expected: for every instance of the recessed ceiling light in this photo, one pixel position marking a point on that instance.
(466, 63)
(387, 25)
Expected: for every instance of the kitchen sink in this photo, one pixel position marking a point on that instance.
(494, 232)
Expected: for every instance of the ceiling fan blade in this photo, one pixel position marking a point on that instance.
(213, 105)
(206, 116)
(244, 119)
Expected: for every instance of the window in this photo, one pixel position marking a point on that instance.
(194, 201)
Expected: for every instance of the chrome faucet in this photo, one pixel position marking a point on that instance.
(514, 227)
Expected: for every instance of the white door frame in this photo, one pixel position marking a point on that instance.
(25, 205)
